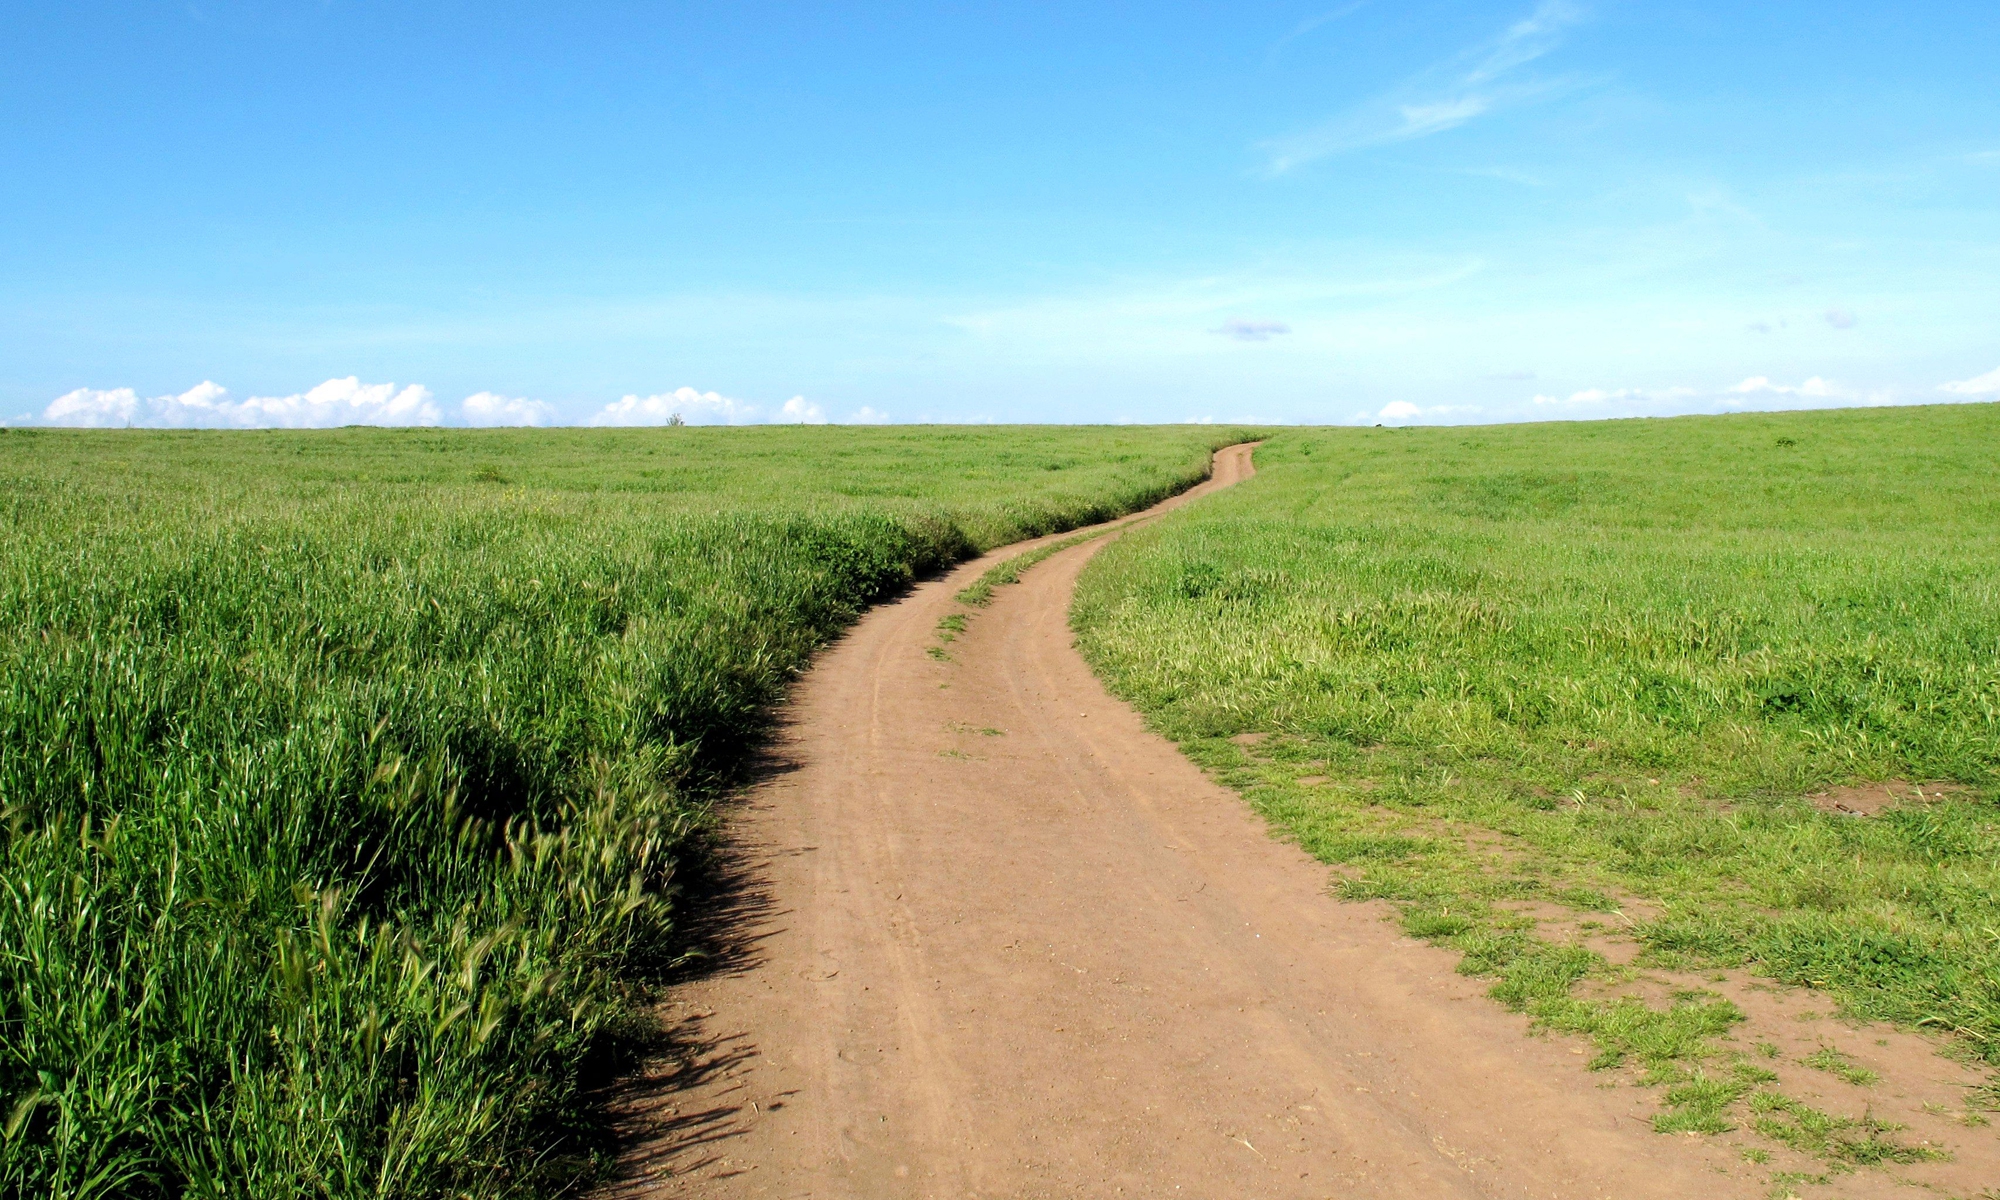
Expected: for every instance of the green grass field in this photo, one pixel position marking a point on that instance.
(345, 774)
(1606, 665)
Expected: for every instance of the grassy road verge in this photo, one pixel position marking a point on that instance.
(344, 774)
(1729, 687)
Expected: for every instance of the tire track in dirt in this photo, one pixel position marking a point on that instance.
(988, 936)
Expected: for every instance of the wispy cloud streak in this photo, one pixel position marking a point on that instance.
(1471, 84)
(1311, 23)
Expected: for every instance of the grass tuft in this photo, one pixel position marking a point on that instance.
(1861, 1141)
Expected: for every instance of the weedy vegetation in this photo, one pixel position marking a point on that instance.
(1607, 667)
(345, 774)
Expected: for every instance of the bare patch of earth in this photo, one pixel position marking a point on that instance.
(1870, 799)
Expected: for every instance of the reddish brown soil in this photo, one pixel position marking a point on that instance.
(988, 936)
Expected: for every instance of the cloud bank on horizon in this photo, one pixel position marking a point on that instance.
(1755, 394)
(348, 401)
(207, 405)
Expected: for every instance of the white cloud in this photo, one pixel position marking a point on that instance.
(800, 411)
(92, 409)
(1816, 388)
(1840, 318)
(1251, 331)
(1757, 393)
(348, 401)
(1979, 385)
(491, 408)
(340, 402)
(1468, 85)
(1397, 411)
(1602, 396)
(705, 408)
(695, 408)
(207, 406)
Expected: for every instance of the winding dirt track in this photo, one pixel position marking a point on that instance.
(993, 938)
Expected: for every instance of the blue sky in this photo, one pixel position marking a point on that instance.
(1437, 210)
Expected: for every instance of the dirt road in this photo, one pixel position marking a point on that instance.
(992, 938)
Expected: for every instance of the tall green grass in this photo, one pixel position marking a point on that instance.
(1631, 649)
(344, 775)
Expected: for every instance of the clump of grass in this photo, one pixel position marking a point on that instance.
(1782, 1181)
(1964, 1116)
(948, 630)
(1860, 1141)
(1833, 1062)
(342, 796)
(1703, 1103)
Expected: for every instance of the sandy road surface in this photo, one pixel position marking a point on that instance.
(992, 938)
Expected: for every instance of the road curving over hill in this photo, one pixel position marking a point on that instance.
(988, 936)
